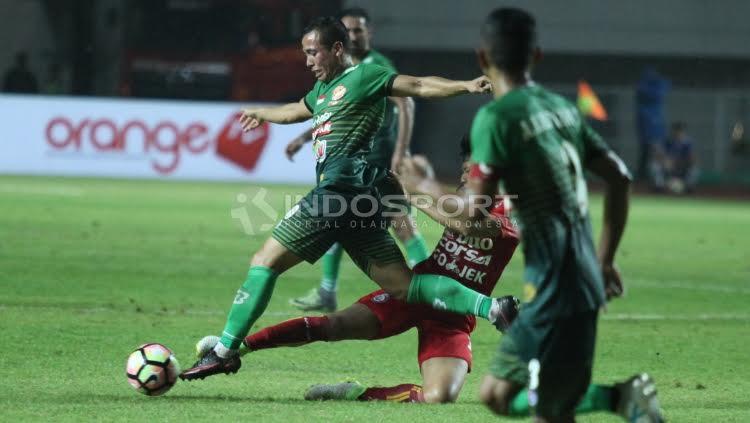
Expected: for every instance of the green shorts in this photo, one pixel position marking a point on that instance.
(553, 358)
(326, 216)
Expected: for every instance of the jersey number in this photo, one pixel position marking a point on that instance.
(570, 157)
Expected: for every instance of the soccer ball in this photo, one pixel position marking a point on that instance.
(152, 369)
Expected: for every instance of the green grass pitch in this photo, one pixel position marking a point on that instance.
(90, 269)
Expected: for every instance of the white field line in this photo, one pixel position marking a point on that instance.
(708, 287)
(203, 312)
(173, 312)
(42, 190)
(678, 317)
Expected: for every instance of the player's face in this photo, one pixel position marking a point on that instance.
(323, 61)
(359, 34)
(465, 166)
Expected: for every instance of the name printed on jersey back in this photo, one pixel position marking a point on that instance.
(547, 120)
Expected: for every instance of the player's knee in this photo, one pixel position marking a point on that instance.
(441, 395)
(398, 292)
(492, 394)
(498, 405)
(268, 259)
(259, 259)
(336, 328)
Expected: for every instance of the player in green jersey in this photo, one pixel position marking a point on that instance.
(390, 145)
(347, 105)
(536, 144)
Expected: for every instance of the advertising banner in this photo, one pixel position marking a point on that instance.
(145, 139)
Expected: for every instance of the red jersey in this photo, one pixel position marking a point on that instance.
(475, 262)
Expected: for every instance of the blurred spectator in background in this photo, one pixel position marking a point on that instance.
(54, 83)
(739, 140)
(19, 79)
(674, 167)
(650, 93)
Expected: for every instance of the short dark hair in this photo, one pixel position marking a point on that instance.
(355, 12)
(331, 30)
(465, 147)
(679, 126)
(510, 36)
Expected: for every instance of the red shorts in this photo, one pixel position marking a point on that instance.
(441, 334)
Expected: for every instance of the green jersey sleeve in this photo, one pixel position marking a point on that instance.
(376, 80)
(487, 144)
(593, 144)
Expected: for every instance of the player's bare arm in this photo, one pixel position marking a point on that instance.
(612, 170)
(288, 113)
(466, 213)
(296, 144)
(437, 87)
(405, 107)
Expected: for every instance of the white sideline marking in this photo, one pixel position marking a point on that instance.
(687, 286)
(696, 317)
(291, 313)
(173, 312)
(41, 190)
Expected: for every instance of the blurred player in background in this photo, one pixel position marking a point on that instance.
(674, 166)
(538, 145)
(444, 352)
(390, 145)
(347, 105)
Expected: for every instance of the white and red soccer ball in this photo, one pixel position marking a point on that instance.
(152, 369)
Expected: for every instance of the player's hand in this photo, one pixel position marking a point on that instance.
(250, 119)
(396, 161)
(293, 147)
(613, 287)
(414, 171)
(479, 85)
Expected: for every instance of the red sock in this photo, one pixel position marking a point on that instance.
(399, 393)
(299, 331)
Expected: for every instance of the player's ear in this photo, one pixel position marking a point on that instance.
(536, 56)
(338, 48)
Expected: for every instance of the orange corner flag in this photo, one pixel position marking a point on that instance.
(588, 102)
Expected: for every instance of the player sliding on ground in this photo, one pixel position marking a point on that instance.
(347, 105)
(390, 145)
(537, 144)
(444, 353)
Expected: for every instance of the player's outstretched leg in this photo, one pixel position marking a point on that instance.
(248, 305)
(353, 322)
(443, 379)
(634, 399)
(354, 391)
(439, 292)
(323, 298)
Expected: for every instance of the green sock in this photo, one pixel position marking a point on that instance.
(596, 398)
(519, 406)
(331, 266)
(444, 293)
(249, 303)
(416, 250)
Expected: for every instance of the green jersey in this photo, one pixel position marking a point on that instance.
(347, 113)
(385, 140)
(539, 145)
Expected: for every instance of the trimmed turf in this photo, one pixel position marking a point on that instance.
(90, 269)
